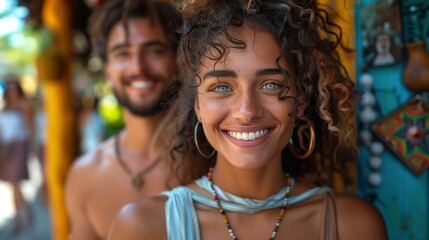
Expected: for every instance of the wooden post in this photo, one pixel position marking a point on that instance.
(54, 66)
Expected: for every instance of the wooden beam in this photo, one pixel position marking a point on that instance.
(54, 66)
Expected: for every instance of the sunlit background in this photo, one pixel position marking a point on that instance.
(22, 39)
(18, 47)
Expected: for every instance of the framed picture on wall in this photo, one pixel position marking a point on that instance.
(381, 33)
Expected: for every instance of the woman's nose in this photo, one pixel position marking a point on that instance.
(247, 107)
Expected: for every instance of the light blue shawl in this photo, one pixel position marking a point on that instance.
(181, 216)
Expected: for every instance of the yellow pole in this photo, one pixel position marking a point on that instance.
(54, 70)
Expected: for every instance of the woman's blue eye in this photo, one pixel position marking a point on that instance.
(270, 85)
(221, 89)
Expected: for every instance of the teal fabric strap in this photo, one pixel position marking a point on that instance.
(234, 203)
(181, 216)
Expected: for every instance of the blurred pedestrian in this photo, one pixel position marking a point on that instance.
(16, 131)
(91, 125)
(40, 143)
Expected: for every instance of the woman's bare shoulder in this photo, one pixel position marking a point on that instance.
(359, 219)
(144, 219)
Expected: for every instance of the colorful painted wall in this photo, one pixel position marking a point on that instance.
(400, 192)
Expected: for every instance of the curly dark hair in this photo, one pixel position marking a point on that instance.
(111, 12)
(305, 35)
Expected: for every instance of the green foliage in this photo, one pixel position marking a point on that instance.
(19, 47)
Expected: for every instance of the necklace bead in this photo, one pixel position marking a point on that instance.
(225, 217)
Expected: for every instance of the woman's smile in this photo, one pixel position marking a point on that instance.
(248, 136)
(248, 139)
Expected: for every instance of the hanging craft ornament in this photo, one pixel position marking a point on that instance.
(405, 132)
(416, 70)
(367, 116)
(136, 177)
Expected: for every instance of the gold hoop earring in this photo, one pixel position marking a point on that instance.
(197, 145)
(310, 149)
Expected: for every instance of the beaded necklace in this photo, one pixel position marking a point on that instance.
(225, 217)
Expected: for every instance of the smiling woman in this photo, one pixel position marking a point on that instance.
(239, 98)
(259, 76)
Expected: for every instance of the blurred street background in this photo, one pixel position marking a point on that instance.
(45, 48)
(40, 228)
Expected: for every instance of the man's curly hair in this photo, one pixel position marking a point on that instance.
(110, 12)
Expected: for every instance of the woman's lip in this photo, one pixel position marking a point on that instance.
(249, 143)
(248, 136)
(247, 128)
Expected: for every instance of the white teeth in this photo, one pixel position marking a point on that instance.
(252, 136)
(248, 136)
(141, 84)
(238, 136)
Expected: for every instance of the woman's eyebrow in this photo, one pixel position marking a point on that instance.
(270, 71)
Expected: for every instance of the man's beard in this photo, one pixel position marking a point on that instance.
(147, 110)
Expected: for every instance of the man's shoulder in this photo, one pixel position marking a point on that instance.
(93, 158)
(90, 162)
(86, 169)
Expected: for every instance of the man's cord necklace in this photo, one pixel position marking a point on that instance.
(136, 177)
